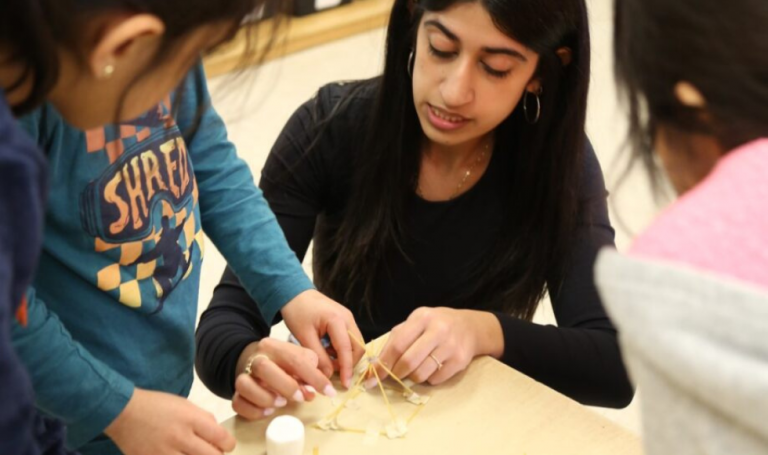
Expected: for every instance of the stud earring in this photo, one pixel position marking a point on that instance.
(108, 71)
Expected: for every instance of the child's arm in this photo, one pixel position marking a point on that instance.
(69, 382)
(91, 398)
(238, 220)
(234, 213)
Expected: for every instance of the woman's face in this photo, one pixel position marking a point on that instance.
(468, 76)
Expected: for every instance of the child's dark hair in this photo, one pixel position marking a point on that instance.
(34, 30)
(719, 47)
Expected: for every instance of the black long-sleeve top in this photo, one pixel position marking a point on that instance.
(308, 193)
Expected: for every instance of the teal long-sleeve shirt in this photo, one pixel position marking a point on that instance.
(114, 301)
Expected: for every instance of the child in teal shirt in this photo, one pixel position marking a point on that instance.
(113, 306)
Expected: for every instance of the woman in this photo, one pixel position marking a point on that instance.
(444, 199)
(108, 334)
(691, 297)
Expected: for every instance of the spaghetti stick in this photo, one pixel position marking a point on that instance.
(392, 375)
(355, 391)
(358, 340)
(415, 413)
(350, 396)
(384, 394)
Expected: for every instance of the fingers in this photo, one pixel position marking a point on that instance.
(198, 446)
(426, 347)
(212, 435)
(307, 317)
(425, 371)
(358, 351)
(311, 341)
(249, 390)
(247, 409)
(310, 392)
(456, 363)
(415, 356)
(308, 374)
(277, 379)
(311, 315)
(337, 331)
(298, 362)
(400, 339)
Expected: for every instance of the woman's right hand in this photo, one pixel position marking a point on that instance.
(164, 424)
(281, 372)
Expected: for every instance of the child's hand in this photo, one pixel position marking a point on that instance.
(310, 316)
(279, 372)
(164, 424)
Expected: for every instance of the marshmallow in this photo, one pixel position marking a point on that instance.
(285, 436)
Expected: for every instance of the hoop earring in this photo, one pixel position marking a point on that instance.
(525, 108)
(409, 68)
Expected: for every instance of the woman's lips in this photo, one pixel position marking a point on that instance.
(443, 120)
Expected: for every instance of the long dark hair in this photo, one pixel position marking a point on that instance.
(34, 30)
(546, 163)
(719, 47)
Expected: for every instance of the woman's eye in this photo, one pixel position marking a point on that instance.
(496, 73)
(450, 54)
(438, 53)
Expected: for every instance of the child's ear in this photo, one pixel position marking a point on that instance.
(689, 95)
(119, 40)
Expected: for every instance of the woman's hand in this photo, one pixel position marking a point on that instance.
(310, 316)
(280, 372)
(435, 344)
(164, 424)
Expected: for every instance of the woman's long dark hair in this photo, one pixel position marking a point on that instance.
(546, 163)
(34, 30)
(719, 47)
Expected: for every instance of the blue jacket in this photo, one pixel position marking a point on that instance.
(22, 196)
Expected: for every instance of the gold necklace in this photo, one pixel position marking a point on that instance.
(480, 157)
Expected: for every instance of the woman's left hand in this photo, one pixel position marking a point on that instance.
(435, 344)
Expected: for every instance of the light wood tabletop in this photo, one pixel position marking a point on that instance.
(488, 409)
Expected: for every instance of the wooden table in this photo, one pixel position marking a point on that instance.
(489, 409)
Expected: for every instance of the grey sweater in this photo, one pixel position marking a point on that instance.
(696, 345)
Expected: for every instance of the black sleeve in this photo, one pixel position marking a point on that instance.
(231, 322)
(293, 183)
(580, 358)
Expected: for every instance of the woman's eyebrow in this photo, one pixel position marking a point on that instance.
(451, 36)
(488, 50)
(505, 51)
